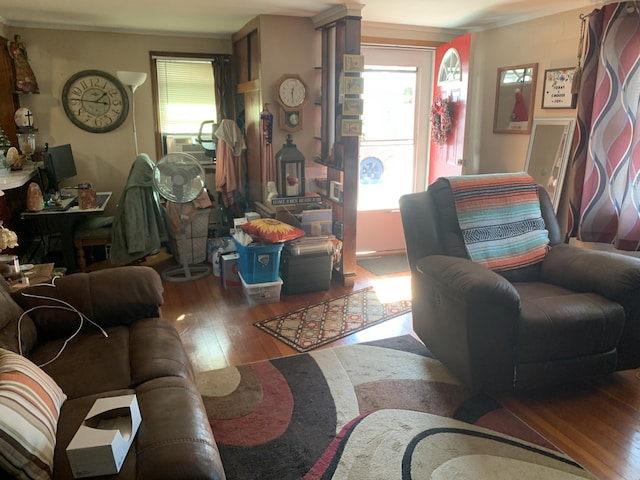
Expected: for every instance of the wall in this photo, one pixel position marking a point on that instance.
(55, 55)
(552, 42)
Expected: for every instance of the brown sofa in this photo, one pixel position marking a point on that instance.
(572, 316)
(142, 354)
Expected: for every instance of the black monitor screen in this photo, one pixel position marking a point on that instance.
(59, 163)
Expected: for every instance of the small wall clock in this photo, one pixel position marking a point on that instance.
(291, 95)
(95, 101)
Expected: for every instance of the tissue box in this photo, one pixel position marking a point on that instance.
(100, 445)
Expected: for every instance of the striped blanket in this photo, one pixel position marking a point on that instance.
(500, 219)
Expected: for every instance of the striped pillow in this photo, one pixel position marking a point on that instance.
(30, 402)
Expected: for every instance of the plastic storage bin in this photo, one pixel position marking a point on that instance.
(267, 292)
(259, 263)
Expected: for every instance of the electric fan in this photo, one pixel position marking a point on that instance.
(179, 178)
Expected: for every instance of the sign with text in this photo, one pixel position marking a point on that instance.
(557, 89)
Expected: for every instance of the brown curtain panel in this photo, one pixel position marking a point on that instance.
(222, 74)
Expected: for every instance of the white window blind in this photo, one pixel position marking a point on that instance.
(185, 94)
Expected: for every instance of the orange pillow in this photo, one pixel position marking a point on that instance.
(271, 230)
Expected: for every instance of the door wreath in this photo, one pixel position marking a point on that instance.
(441, 120)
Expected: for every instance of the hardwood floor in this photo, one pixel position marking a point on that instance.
(598, 425)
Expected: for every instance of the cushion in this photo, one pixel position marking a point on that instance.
(30, 402)
(271, 230)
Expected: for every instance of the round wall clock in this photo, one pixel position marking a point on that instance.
(291, 91)
(95, 101)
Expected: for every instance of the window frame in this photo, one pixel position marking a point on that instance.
(153, 56)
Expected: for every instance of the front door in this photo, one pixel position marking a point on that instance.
(393, 148)
(450, 88)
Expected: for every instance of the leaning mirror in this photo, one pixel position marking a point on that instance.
(548, 154)
(515, 94)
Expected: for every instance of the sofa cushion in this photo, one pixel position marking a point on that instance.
(557, 323)
(91, 363)
(10, 312)
(30, 402)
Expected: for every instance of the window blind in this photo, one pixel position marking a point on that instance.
(186, 95)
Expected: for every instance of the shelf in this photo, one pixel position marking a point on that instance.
(330, 165)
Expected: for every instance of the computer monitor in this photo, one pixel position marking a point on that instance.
(59, 164)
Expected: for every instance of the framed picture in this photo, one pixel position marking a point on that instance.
(353, 106)
(352, 85)
(353, 63)
(557, 88)
(351, 128)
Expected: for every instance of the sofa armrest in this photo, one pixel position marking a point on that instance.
(116, 296)
(612, 275)
(467, 316)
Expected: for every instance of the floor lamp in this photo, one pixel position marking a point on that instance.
(132, 80)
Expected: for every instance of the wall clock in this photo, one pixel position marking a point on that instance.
(95, 101)
(291, 94)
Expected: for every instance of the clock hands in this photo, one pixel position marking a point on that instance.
(96, 101)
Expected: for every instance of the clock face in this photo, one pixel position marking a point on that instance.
(292, 92)
(95, 101)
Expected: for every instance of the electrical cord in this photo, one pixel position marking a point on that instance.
(64, 306)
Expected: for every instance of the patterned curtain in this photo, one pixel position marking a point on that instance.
(605, 169)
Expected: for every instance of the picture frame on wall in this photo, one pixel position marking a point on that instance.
(353, 106)
(352, 85)
(353, 63)
(351, 128)
(557, 88)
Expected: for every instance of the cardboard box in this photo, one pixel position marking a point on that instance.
(100, 445)
(229, 270)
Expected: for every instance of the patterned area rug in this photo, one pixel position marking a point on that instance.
(316, 325)
(379, 410)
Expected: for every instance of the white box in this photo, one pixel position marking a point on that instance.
(267, 292)
(237, 222)
(100, 445)
(251, 216)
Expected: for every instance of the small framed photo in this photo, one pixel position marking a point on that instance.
(353, 63)
(557, 88)
(353, 106)
(351, 128)
(352, 85)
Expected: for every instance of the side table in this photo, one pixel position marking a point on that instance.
(40, 273)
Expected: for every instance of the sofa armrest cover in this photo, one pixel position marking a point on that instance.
(612, 275)
(111, 297)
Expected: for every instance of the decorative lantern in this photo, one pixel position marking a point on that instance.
(290, 170)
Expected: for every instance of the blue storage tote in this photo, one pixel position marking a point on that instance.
(259, 263)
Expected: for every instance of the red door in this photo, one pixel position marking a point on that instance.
(451, 79)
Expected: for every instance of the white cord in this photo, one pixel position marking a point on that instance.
(65, 306)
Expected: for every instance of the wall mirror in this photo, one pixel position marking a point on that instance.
(548, 154)
(515, 94)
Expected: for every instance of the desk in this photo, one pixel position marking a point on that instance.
(64, 222)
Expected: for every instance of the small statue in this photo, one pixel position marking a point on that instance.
(35, 201)
(25, 78)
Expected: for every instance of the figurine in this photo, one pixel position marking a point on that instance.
(25, 78)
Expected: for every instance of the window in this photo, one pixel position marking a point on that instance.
(185, 101)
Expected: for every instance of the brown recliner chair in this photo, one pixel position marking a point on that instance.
(574, 315)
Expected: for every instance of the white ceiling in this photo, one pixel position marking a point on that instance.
(215, 17)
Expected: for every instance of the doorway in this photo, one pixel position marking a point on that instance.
(394, 144)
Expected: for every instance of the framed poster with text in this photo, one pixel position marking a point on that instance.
(557, 89)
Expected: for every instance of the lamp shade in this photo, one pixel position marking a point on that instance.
(132, 79)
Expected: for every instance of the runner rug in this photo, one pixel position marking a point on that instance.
(379, 410)
(316, 325)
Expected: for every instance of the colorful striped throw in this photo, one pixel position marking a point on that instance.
(500, 219)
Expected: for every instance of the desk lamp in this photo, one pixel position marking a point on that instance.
(132, 80)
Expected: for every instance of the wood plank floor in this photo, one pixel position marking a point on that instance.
(598, 424)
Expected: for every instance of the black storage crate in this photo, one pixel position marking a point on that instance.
(305, 273)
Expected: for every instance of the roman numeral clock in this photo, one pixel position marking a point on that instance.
(95, 101)
(291, 94)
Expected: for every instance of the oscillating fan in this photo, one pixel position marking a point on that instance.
(179, 178)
